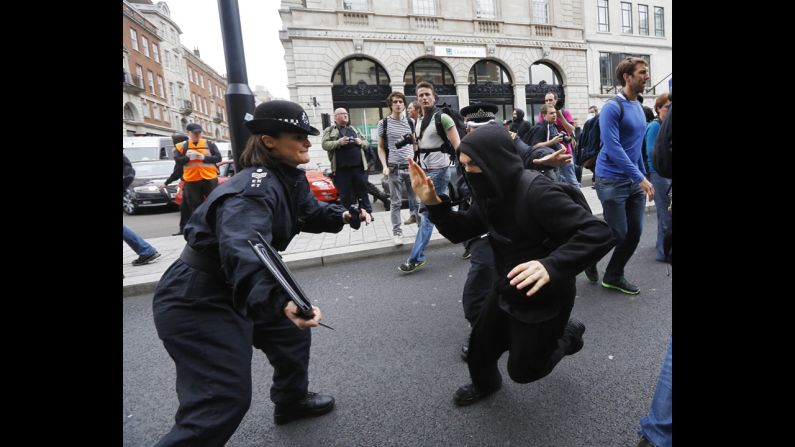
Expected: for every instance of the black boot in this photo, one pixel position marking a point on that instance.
(574, 330)
(313, 404)
(469, 394)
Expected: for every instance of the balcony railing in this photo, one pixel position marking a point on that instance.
(218, 118)
(187, 107)
(133, 83)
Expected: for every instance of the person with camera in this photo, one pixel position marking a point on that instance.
(347, 147)
(395, 146)
(564, 123)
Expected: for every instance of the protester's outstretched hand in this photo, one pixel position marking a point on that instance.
(528, 273)
(554, 160)
(422, 184)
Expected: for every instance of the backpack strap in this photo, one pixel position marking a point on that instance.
(386, 143)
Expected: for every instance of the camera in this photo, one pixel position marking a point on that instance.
(566, 138)
(559, 104)
(403, 141)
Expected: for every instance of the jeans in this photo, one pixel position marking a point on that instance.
(623, 203)
(656, 426)
(568, 175)
(661, 202)
(137, 243)
(398, 177)
(440, 179)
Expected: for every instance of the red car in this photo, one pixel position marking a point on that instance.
(319, 183)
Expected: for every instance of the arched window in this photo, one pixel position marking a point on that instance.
(490, 82)
(543, 78)
(360, 69)
(431, 70)
(129, 112)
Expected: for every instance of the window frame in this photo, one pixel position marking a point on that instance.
(603, 6)
(145, 45)
(416, 10)
(626, 18)
(134, 39)
(643, 19)
(659, 31)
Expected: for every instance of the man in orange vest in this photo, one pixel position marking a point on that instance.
(199, 158)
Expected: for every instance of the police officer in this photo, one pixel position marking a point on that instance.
(217, 297)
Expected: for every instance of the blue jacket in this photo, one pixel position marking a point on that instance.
(620, 157)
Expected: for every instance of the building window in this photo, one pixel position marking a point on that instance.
(129, 115)
(139, 73)
(204, 105)
(133, 39)
(145, 44)
(223, 114)
(160, 86)
(172, 96)
(488, 72)
(181, 92)
(167, 57)
(542, 77)
(425, 7)
(151, 78)
(603, 15)
(155, 52)
(626, 17)
(486, 9)
(193, 100)
(430, 70)
(541, 11)
(659, 22)
(354, 5)
(156, 109)
(607, 70)
(201, 80)
(356, 70)
(643, 19)
(146, 109)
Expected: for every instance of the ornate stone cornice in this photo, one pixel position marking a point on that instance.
(418, 38)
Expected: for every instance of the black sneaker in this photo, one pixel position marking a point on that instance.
(592, 273)
(574, 330)
(622, 285)
(411, 266)
(466, 254)
(313, 404)
(146, 259)
(469, 394)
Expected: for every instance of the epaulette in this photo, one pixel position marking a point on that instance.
(256, 182)
(513, 135)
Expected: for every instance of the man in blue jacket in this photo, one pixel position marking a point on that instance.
(620, 180)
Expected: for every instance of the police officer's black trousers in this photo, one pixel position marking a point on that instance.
(534, 349)
(480, 278)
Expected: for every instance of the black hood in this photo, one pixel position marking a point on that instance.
(492, 149)
(519, 114)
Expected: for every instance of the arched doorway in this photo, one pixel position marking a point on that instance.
(129, 112)
(490, 82)
(361, 86)
(435, 72)
(543, 78)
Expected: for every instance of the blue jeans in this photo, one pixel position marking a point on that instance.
(656, 426)
(137, 243)
(661, 202)
(623, 203)
(440, 179)
(568, 174)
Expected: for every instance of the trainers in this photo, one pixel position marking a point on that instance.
(574, 330)
(411, 220)
(410, 266)
(592, 273)
(146, 259)
(622, 285)
(466, 254)
(398, 239)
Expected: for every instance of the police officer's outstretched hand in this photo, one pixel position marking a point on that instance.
(363, 217)
(291, 311)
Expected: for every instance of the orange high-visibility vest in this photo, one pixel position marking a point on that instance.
(196, 170)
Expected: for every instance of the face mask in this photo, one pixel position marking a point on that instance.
(591, 115)
(481, 185)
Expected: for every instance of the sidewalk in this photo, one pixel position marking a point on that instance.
(306, 249)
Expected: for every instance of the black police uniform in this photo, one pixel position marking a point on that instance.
(218, 299)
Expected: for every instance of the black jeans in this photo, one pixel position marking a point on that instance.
(351, 183)
(195, 193)
(480, 278)
(534, 349)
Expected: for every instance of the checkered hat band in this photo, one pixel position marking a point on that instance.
(480, 114)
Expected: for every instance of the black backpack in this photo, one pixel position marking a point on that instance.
(383, 135)
(646, 161)
(460, 127)
(591, 140)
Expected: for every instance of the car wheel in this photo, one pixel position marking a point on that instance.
(128, 205)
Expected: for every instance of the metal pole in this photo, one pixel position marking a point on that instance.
(239, 99)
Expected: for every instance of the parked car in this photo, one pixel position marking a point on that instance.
(145, 191)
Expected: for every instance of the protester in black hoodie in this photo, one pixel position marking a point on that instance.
(532, 323)
(519, 125)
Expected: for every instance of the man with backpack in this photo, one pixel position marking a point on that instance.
(437, 140)
(619, 178)
(541, 239)
(395, 146)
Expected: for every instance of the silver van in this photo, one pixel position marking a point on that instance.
(148, 148)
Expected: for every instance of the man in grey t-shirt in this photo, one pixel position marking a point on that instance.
(395, 163)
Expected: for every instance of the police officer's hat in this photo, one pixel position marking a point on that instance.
(480, 113)
(278, 115)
